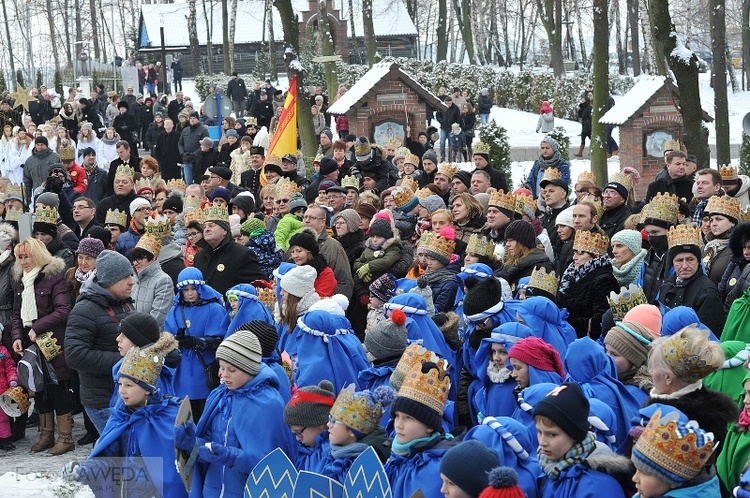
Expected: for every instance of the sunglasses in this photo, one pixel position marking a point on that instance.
(282, 201)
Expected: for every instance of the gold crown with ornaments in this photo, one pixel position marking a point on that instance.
(628, 298)
(544, 281)
(684, 235)
(587, 241)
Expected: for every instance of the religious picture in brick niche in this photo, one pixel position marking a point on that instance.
(655, 143)
(388, 129)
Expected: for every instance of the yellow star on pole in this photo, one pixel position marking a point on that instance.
(22, 97)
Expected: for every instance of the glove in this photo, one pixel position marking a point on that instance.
(363, 270)
(70, 471)
(367, 278)
(184, 436)
(223, 455)
(186, 341)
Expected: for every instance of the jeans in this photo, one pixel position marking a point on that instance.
(444, 137)
(187, 173)
(98, 416)
(239, 105)
(485, 118)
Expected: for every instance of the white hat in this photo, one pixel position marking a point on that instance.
(565, 218)
(299, 281)
(137, 203)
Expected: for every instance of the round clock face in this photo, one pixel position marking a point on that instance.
(655, 143)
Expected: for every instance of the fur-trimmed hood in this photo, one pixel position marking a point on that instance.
(168, 348)
(602, 459)
(739, 233)
(54, 267)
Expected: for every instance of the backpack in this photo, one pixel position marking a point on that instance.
(34, 373)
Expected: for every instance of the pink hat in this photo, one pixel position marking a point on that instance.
(646, 315)
(537, 353)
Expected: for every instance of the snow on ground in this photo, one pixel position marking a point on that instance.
(41, 485)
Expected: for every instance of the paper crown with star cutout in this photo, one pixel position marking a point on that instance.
(214, 213)
(361, 410)
(447, 169)
(480, 246)
(542, 280)
(684, 235)
(724, 206)
(412, 159)
(482, 148)
(286, 188)
(176, 184)
(728, 173)
(350, 182)
(663, 207)
(125, 170)
(116, 217)
(158, 226)
(501, 200)
(410, 182)
(628, 298)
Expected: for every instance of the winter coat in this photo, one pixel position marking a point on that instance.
(342, 124)
(133, 162)
(337, 468)
(288, 226)
(149, 140)
(448, 116)
(472, 227)
(524, 268)
(377, 167)
(53, 308)
(681, 187)
(336, 258)
(121, 202)
(421, 470)
(264, 248)
(444, 291)
(584, 116)
(90, 341)
(353, 244)
(153, 292)
(236, 89)
(379, 260)
(190, 141)
(167, 152)
(225, 151)
(8, 372)
(203, 161)
(537, 173)
(546, 122)
(127, 241)
(613, 220)
(171, 261)
(6, 299)
(718, 265)
(586, 300)
(228, 264)
(580, 481)
(497, 178)
(58, 249)
(127, 127)
(697, 292)
(484, 104)
(96, 183)
(36, 169)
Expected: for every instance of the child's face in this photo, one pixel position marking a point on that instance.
(377, 241)
(451, 490)
(422, 259)
(553, 441)
(233, 377)
(234, 302)
(339, 433)
(133, 395)
(408, 428)
(433, 264)
(375, 302)
(499, 355)
(520, 373)
(648, 485)
(622, 363)
(123, 344)
(746, 398)
(306, 435)
(190, 294)
(470, 259)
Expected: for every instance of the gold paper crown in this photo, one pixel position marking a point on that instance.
(150, 243)
(501, 200)
(116, 217)
(176, 184)
(670, 145)
(66, 151)
(159, 226)
(447, 169)
(215, 212)
(677, 451)
(662, 207)
(687, 367)
(723, 205)
(391, 142)
(142, 366)
(141, 183)
(428, 388)
(286, 187)
(14, 402)
(586, 177)
(628, 298)
(14, 189)
(410, 182)
(547, 282)
(402, 196)
(412, 159)
(46, 214)
(251, 120)
(267, 296)
(192, 202)
(125, 170)
(728, 172)
(357, 410)
(318, 158)
(413, 355)
(481, 148)
(480, 246)
(402, 152)
(552, 174)
(745, 215)
(623, 179)
(424, 192)
(12, 214)
(525, 204)
(441, 246)
(47, 344)
(590, 242)
(350, 182)
(191, 215)
(684, 235)
(273, 159)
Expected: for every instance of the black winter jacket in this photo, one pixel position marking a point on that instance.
(586, 301)
(228, 264)
(697, 292)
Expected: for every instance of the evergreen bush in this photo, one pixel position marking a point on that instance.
(563, 139)
(744, 168)
(496, 137)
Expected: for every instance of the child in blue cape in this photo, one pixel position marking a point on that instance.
(307, 414)
(548, 322)
(269, 337)
(195, 319)
(140, 428)
(419, 443)
(243, 306)
(670, 459)
(464, 469)
(353, 426)
(565, 444)
(534, 361)
(241, 423)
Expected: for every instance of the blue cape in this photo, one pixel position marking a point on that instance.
(581, 481)
(548, 322)
(527, 400)
(676, 319)
(603, 422)
(249, 309)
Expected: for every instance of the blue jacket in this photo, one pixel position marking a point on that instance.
(581, 481)
(313, 459)
(419, 471)
(537, 173)
(127, 241)
(249, 309)
(703, 490)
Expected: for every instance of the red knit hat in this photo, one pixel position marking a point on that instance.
(503, 484)
(537, 353)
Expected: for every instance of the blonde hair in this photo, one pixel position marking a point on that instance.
(444, 212)
(698, 345)
(632, 222)
(36, 249)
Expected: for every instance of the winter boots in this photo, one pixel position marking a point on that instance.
(47, 434)
(65, 441)
(580, 151)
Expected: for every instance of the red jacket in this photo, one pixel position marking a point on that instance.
(8, 372)
(78, 178)
(326, 283)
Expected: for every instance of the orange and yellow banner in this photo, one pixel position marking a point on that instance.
(284, 141)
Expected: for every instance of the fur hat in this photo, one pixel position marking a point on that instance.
(242, 350)
(387, 338)
(467, 465)
(522, 232)
(111, 267)
(299, 281)
(568, 407)
(310, 406)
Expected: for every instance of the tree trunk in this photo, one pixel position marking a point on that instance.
(225, 36)
(10, 47)
(647, 57)
(289, 23)
(195, 56)
(355, 41)
(324, 29)
(232, 28)
(94, 29)
(635, 49)
(746, 40)
(621, 50)
(695, 135)
(273, 72)
(718, 47)
(550, 13)
(371, 45)
(66, 30)
(581, 39)
(442, 30)
(463, 16)
(209, 33)
(601, 90)
(51, 22)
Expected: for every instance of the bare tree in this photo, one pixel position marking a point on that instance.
(635, 49)
(274, 74)
(601, 89)
(324, 31)
(10, 47)
(208, 14)
(229, 53)
(463, 17)
(355, 43)
(225, 36)
(550, 13)
(746, 38)
(51, 21)
(195, 55)
(718, 36)
(371, 45)
(442, 30)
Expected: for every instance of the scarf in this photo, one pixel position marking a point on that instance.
(712, 250)
(577, 454)
(628, 272)
(442, 275)
(28, 298)
(497, 375)
(573, 274)
(82, 277)
(677, 394)
(404, 449)
(552, 162)
(350, 450)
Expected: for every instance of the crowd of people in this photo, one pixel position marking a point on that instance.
(593, 343)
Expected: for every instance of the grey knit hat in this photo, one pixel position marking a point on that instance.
(266, 334)
(241, 349)
(299, 280)
(387, 338)
(431, 155)
(432, 203)
(310, 406)
(351, 218)
(111, 267)
(49, 199)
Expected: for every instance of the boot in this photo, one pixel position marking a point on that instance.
(47, 435)
(18, 427)
(65, 441)
(580, 151)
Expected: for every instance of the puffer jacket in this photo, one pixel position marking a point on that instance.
(190, 141)
(153, 292)
(91, 341)
(36, 169)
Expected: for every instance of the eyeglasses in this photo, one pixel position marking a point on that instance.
(340, 222)
(190, 235)
(582, 191)
(282, 201)
(298, 434)
(80, 208)
(144, 209)
(310, 217)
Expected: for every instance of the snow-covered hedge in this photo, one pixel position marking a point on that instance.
(496, 137)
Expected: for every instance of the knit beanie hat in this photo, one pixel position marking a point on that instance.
(299, 281)
(387, 338)
(384, 287)
(433, 202)
(305, 240)
(361, 411)
(565, 218)
(220, 192)
(424, 393)
(430, 155)
(173, 203)
(631, 340)
(467, 465)
(50, 199)
(503, 484)
(138, 203)
(552, 143)
(632, 239)
(328, 165)
(242, 350)
(465, 176)
(351, 218)
(522, 232)
(483, 296)
(252, 227)
(266, 334)
(537, 353)
(567, 407)
(646, 315)
(111, 267)
(380, 226)
(90, 246)
(140, 328)
(310, 406)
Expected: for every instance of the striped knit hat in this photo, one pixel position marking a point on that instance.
(241, 349)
